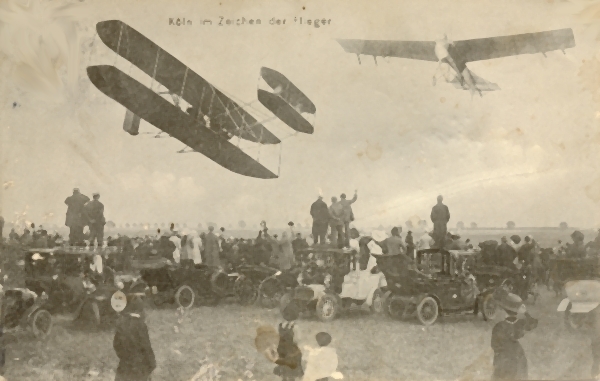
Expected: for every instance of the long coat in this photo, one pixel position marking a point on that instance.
(510, 362)
(75, 205)
(440, 215)
(211, 250)
(133, 348)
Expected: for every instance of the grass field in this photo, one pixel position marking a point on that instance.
(370, 347)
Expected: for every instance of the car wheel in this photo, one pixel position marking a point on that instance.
(185, 296)
(377, 303)
(270, 292)
(284, 301)
(327, 307)
(488, 307)
(427, 311)
(246, 292)
(394, 306)
(41, 323)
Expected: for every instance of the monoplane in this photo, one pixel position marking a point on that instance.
(456, 54)
(210, 119)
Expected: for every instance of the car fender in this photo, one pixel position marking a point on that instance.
(562, 307)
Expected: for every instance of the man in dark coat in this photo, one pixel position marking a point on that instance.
(94, 212)
(440, 215)
(132, 344)
(505, 254)
(320, 215)
(75, 217)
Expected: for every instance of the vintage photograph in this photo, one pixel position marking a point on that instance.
(299, 190)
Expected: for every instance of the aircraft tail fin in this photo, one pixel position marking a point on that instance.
(131, 124)
(482, 84)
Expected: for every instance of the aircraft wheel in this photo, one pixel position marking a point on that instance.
(41, 323)
(378, 301)
(489, 308)
(185, 296)
(328, 307)
(427, 311)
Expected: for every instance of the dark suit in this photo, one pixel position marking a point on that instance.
(320, 214)
(440, 215)
(75, 217)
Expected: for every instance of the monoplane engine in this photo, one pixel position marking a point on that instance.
(286, 101)
(131, 124)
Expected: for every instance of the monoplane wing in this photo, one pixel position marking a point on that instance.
(528, 43)
(182, 81)
(286, 101)
(140, 100)
(416, 50)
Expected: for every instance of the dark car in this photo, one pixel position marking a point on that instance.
(449, 290)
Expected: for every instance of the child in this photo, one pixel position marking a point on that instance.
(322, 362)
(289, 356)
(510, 362)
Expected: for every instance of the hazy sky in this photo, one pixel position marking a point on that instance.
(527, 153)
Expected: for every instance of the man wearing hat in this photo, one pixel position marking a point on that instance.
(75, 216)
(510, 362)
(440, 215)
(320, 215)
(94, 212)
(347, 215)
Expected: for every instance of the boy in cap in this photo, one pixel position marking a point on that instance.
(132, 343)
(289, 356)
(510, 362)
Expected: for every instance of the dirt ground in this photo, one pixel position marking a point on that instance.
(370, 347)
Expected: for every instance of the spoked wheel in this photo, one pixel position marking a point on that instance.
(41, 323)
(327, 307)
(378, 300)
(246, 291)
(270, 292)
(427, 311)
(185, 296)
(394, 306)
(488, 309)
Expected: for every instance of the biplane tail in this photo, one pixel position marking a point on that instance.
(480, 84)
(131, 124)
(280, 96)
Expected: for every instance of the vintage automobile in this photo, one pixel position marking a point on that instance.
(580, 305)
(273, 287)
(23, 309)
(242, 282)
(563, 269)
(448, 290)
(331, 281)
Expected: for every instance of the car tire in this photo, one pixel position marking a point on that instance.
(185, 296)
(270, 292)
(394, 306)
(41, 323)
(328, 307)
(284, 301)
(488, 307)
(428, 311)
(378, 302)
(246, 292)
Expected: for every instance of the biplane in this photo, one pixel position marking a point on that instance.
(212, 118)
(454, 55)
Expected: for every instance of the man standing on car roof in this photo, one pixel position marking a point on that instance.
(320, 215)
(440, 215)
(94, 212)
(347, 215)
(75, 216)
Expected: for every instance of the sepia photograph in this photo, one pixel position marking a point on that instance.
(299, 190)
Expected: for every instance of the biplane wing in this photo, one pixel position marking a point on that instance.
(286, 101)
(416, 50)
(182, 81)
(503, 46)
(141, 101)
